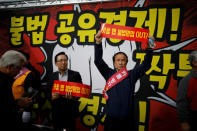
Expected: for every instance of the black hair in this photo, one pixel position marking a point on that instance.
(118, 54)
(60, 53)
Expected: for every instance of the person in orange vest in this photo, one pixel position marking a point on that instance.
(11, 63)
(24, 87)
(27, 82)
(18, 88)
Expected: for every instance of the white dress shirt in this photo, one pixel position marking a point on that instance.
(64, 76)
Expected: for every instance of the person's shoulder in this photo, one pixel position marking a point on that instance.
(52, 74)
(72, 71)
(5, 79)
(55, 73)
(186, 78)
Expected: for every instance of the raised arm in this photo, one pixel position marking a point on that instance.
(141, 69)
(98, 60)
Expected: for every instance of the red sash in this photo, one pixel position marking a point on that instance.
(115, 79)
(77, 89)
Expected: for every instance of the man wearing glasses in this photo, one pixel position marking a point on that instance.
(64, 107)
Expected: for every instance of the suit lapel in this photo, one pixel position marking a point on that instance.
(56, 77)
(69, 75)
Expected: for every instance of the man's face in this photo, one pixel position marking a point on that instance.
(13, 71)
(62, 62)
(120, 61)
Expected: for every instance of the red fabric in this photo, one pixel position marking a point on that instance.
(115, 79)
(162, 116)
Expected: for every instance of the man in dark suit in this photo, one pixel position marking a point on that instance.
(120, 102)
(64, 108)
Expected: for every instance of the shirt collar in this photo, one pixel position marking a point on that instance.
(65, 72)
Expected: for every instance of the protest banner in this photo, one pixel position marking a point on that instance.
(77, 89)
(124, 32)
